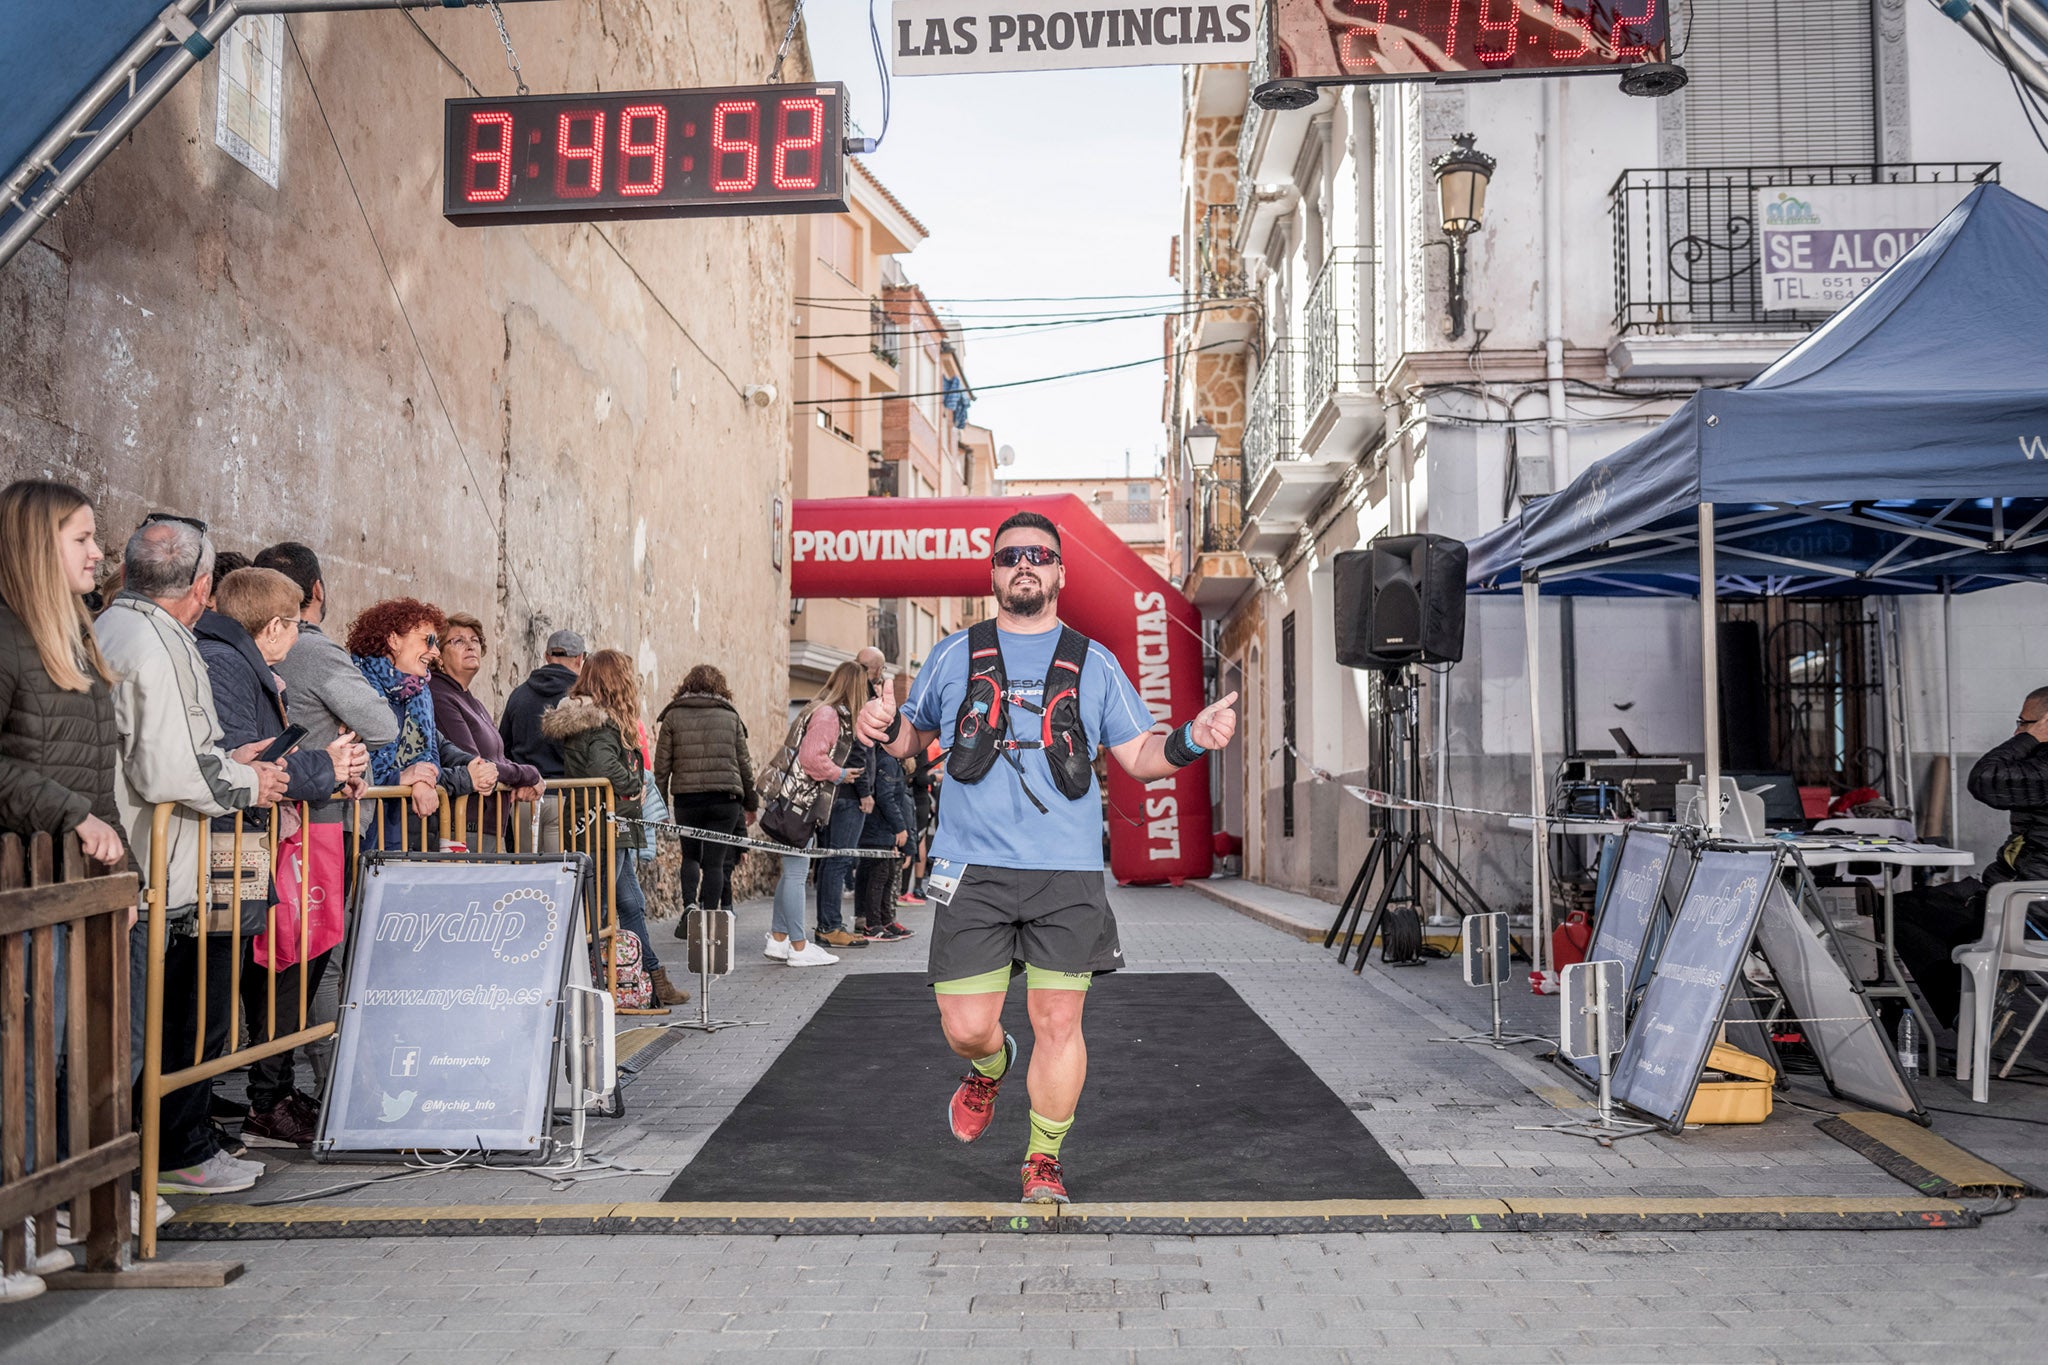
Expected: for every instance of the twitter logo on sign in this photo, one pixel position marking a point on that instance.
(397, 1106)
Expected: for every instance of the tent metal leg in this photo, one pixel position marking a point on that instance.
(1710, 676)
(1539, 837)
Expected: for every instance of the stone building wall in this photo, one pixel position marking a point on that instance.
(184, 337)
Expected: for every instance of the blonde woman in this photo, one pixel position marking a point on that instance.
(822, 735)
(598, 727)
(57, 733)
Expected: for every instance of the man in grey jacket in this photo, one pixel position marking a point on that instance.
(170, 754)
(324, 689)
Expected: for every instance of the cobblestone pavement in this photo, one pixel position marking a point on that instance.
(1447, 1112)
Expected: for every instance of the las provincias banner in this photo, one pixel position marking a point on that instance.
(947, 37)
(939, 547)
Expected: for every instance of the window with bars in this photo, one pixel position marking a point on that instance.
(1287, 726)
(1780, 84)
(1802, 691)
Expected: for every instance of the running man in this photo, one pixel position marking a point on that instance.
(1021, 705)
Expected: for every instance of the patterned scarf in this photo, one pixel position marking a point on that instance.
(418, 740)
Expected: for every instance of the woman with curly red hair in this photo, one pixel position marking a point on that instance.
(395, 644)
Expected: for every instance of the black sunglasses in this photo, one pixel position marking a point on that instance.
(1038, 556)
(193, 522)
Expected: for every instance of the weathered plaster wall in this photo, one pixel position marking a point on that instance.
(184, 337)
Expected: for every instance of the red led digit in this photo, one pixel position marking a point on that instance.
(1507, 29)
(1360, 44)
(653, 119)
(590, 153)
(1450, 44)
(809, 143)
(1569, 25)
(725, 145)
(1644, 24)
(499, 157)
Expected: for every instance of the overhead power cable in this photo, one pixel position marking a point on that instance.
(1013, 383)
(920, 328)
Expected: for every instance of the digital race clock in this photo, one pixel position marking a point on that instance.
(645, 154)
(1372, 40)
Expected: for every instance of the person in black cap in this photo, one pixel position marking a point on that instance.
(519, 726)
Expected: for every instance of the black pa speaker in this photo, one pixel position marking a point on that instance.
(1401, 600)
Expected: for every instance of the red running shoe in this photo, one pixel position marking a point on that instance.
(910, 898)
(1042, 1182)
(974, 1102)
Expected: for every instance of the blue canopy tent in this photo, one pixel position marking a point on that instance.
(1900, 448)
(76, 78)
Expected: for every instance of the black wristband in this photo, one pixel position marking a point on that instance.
(1179, 752)
(895, 728)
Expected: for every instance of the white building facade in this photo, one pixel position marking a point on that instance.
(1614, 274)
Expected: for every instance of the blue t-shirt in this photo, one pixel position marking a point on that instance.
(992, 822)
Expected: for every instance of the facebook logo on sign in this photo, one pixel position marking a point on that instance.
(405, 1061)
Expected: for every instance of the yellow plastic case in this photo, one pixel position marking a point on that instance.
(1744, 1098)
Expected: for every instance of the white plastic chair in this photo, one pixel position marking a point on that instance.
(2005, 947)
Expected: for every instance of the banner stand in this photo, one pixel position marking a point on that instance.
(1487, 948)
(1590, 1027)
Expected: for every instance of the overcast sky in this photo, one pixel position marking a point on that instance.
(1057, 183)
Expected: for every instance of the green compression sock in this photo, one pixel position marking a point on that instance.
(995, 1065)
(1047, 1134)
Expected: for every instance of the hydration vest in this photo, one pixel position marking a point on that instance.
(981, 729)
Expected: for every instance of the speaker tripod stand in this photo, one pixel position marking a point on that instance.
(1404, 851)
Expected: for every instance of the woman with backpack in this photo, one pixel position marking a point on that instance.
(807, 772)
(598, 726)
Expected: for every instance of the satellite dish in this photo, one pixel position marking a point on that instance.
(1006, 456)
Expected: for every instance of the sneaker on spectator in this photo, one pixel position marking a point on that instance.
(164, 1214)
(778, 950)
(228, 1142)
(22, 1284)
(900, 929)
(910, 898)
(888, 933)
(811, 956)
(281, 1125)
(839, 938)
(306, 1107)
(218, 1174)
(51, 1259)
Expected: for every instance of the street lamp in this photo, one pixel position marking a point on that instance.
(1461, 179)
(1201, 441)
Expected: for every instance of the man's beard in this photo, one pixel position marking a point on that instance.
(1029, 602)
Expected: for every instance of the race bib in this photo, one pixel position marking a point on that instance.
(943, 880)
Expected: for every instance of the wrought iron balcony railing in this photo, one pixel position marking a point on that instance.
(883, 633)
(1254, 116)
(1338, 356)
(885, 334)
(1271, 423)
(1221, 512)
(1685, 240)
(1219, 267)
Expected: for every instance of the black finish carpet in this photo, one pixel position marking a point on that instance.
(1190, 1096)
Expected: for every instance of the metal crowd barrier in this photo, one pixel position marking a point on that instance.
(572, 816)
(86, 912)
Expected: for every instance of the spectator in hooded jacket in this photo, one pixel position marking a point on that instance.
(394, 644)
(701, 761)
(170, 752)
(598, 727)
(520, 727)
(253, 623)
(57, 734)
(467, 721)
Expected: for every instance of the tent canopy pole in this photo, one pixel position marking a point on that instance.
(1710, 676)
(1539, 847)
(1948, 704)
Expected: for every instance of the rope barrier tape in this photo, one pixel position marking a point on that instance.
(712, 836)
(1374, 797)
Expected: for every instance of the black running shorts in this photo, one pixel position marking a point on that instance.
(995, 917)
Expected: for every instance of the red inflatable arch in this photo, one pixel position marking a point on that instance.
(939, 547)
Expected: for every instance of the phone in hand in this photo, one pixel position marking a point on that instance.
(283, 744)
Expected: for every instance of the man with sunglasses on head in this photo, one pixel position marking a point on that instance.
(1016, 882)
